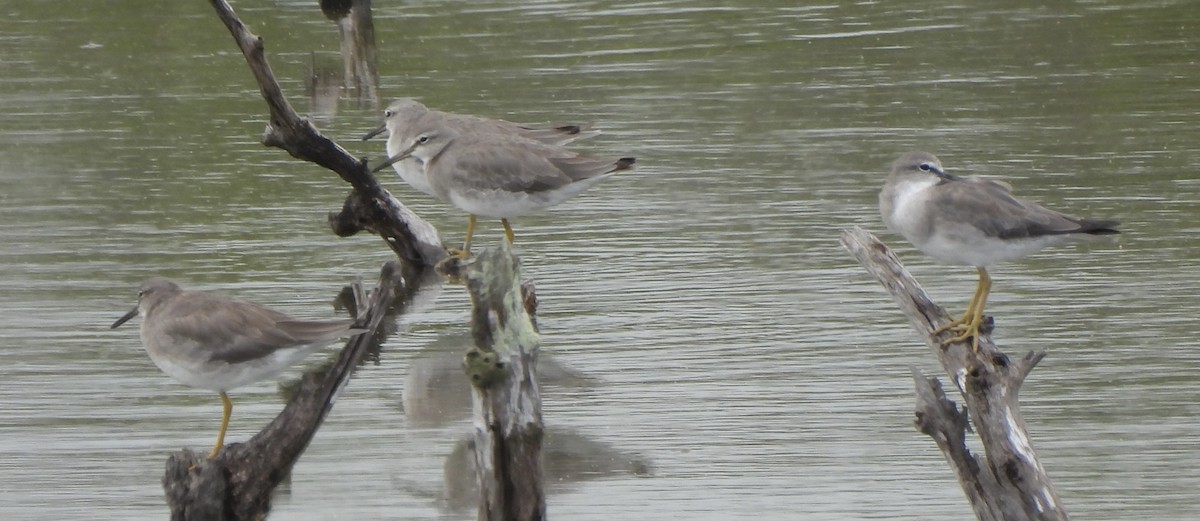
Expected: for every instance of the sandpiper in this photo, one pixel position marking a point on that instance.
(499, 175)
(971, 221)
(406, 114)
(218, 343)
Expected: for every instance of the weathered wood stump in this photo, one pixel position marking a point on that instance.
(1008, 483)
(508, 429)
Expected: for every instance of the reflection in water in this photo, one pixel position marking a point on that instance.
(324, 90)
(438, 395)
(568, 458)
(436, 391)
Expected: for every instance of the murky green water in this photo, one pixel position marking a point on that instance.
(716, 354)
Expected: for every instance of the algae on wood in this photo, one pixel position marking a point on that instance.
(508, 429)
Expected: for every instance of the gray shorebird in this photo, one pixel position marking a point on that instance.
(500, 176)
(218, 343)
(405, 115)
(971, 221)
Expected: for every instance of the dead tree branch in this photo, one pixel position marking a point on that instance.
(237, 484)
(1008, 483)
(369, 206)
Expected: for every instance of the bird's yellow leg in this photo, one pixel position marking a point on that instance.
(512, 237)
(972, 320)
(957, 324)
(466, 249)
(224, 425)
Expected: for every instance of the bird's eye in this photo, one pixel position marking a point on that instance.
(140, 293)
(387, 113)
(926, 167)
(423, 140)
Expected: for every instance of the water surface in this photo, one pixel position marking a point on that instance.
(716, 354)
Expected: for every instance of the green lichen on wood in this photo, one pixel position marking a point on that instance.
(500, 325)
(483, 368)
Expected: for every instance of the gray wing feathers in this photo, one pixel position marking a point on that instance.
(556, 136)
(559, 136)
(237, 330)
(316, 331)
(513, 166)
(525, 166)
(998, 213)
(579, 168)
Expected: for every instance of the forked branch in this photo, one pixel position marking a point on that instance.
(1008, 483)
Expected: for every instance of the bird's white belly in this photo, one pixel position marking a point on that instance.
(504, 204)
(222, 376)
(497, 204)
(961, 243)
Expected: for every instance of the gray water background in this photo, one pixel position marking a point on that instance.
(722, 357)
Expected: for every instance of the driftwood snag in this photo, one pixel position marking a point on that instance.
(369, 207)
(508, 429)
(237, 484)
(1008, 483)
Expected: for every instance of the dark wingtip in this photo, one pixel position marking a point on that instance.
(1099, 227)
(569, 129)
(625, 163)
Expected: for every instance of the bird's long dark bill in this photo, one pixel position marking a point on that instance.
(377, 131)
(393, 160)
(132, 313)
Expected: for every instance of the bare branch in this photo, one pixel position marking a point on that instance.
(370, 207)
(238, 483)
(1011, 484)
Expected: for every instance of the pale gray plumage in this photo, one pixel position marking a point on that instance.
(405, 116)
(500, 175)
(972, 221)
(503, 176)
(218, 343)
